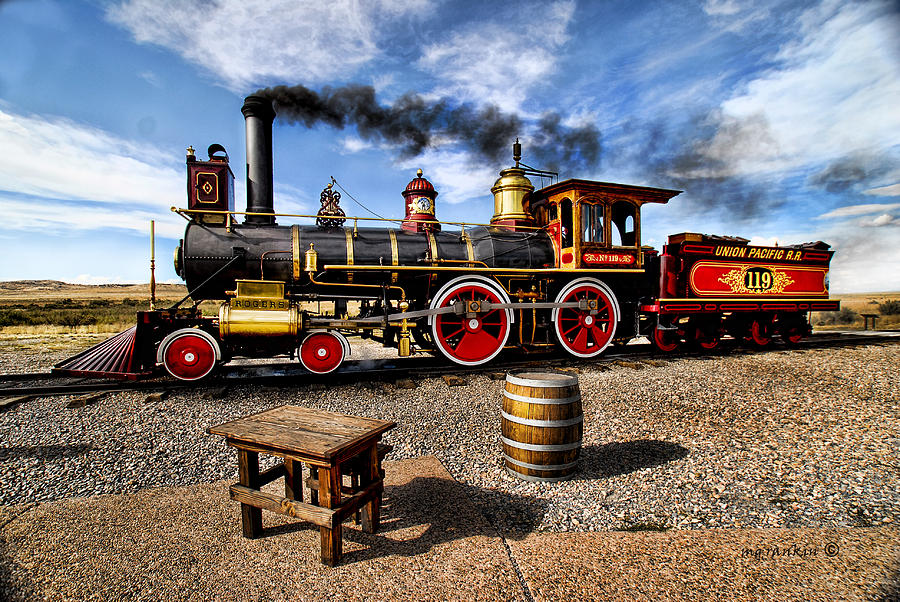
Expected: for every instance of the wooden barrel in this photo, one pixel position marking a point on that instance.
(542, 425)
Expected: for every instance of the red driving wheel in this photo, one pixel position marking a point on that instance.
(321, 352)
(586, 332)
(189, 354)
(476, 336)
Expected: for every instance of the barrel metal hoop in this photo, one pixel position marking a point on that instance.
(569, 381)
(540, 447)
(540, 466)
(542, 400)
(528, 477)
(543, 423)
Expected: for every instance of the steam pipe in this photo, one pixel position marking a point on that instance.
(259, 115)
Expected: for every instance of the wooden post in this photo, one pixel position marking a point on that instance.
(371, 471)
(293, 480)
(248, 472)
(152, 265)
(330, 497)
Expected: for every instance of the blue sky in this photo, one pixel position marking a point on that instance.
(779, 120)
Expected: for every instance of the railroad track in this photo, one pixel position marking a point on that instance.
(20, 387)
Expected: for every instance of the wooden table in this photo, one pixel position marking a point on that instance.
(324, 441)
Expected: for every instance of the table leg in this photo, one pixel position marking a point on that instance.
(248, 472)
(293, 480)
(313, 493)
(371, 511)
(330, 497)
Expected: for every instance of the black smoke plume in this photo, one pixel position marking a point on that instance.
(414, 124)
(682, 156)
(857, 170)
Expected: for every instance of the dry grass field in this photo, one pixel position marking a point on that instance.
(53, 307)
(858, 304)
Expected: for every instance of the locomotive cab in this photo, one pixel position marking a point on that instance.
(595, 224)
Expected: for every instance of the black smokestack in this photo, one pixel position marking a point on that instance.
(414, 124)
(258, 116)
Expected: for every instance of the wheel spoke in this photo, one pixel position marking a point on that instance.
(475, 345)
(580, 342)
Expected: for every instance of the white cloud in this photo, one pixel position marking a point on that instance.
(892, 190)
(721, 7)
(59, 159)
(498, 62)
(453, 176)
(865, 259)
(354, 144)
(857, 210)
(764, 241)
(52, 216)
(248, 42)
(92, 279)
(834, 91)
(884, 219)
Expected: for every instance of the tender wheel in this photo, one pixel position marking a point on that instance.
(475, 337)
(666, 341)
(761, 332)
(792, 331)
(586, 332)
(705, 336)
(323, 352)
(189, 354)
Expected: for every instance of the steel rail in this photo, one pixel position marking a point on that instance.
(424, 366)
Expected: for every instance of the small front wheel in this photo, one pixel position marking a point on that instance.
(189, 354)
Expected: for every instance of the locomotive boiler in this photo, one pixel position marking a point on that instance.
(560, 267)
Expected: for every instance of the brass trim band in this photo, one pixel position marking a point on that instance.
(432, 244)
(349, 235)
(395, 255)
(463, 267)
(295, 250)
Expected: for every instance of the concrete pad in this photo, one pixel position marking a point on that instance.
(186, 543)
(734, 564)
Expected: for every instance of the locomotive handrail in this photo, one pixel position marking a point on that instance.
(186, 212)
(424, 313)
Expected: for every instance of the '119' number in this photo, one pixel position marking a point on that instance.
(758, 279)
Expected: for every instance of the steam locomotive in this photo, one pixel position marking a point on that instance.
(559, 267)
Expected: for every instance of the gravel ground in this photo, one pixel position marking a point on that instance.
(785, 439)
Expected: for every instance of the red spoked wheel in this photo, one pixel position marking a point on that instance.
(586, 331)
(761, 332)
(189, 354)
(477, 335)
(792, 331)
(705, 336)
(322, 352)
(666, 341)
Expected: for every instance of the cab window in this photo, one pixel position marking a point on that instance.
(623, 217)
(565, 210)
(592, 222)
